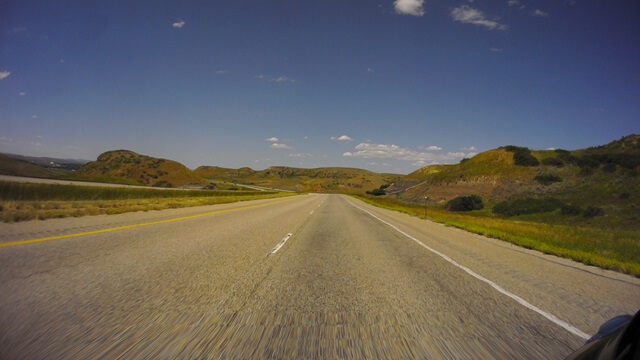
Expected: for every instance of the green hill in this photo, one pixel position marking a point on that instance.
(606, 177)
(124, 166)
(338, 180)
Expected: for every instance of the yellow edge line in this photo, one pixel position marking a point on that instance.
(33, 241)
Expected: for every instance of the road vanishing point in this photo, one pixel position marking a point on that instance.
(311, 277)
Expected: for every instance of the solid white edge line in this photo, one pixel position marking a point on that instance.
(521, 301)
(281, 243)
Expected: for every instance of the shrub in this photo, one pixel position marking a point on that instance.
(464, 160)
(623, 196)
(628, 161)
(525, 206)
(465, 203)
(513, 148)
(379, 191)
(547, 179)
(593, 211)
(566, 157)
(162, 183)
(610, 168)
(588, 162)
(586, 171)
(570, 210)
(524, 158)
(553, 162)
(376, 192)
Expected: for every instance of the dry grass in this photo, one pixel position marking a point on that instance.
(14, 211)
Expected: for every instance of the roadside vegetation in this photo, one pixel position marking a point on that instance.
(571, 236)
(23, 201)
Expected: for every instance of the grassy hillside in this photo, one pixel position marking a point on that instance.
(494, 174)
(339, 180)
(215, 172)
(9, 166)
(125, 166)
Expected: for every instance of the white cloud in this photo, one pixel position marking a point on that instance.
(4, 74)
(369, 70)
(430, 148)
(277, 79)
(23, 93)
(306, 137)
(280, 79)
(471, 148)
(280, 146)
(496, 49)
(16, 30)
(513, 2)
(468, 15)
(179, 24)
(35, 116)
(540, 13)
(551, 149)
(39, 136)
(221, 72)
(456, 154)
(409, 7)
(391, 151)
(299, 155)
(471, 154)
(341, 138)
(272, 139)
(61, 61)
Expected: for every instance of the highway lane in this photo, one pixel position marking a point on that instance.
(345, 284)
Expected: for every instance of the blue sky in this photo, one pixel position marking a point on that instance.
(388, 86)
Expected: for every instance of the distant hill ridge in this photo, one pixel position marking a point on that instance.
(325, 179)
(601, 172)
(15, 167)
(133, 168)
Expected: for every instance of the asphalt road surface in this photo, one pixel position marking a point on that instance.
(314, 276)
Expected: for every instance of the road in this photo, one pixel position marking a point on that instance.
(350, 281)
(32, 180)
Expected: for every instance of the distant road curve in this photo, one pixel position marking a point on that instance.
(253, 187)
(31, 180)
